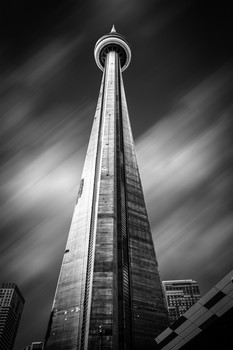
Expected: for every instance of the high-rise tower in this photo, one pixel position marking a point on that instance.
(11, 308)
(109, 294)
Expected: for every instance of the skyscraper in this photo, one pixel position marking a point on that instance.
(181, 295)
(109, 294)
(11, 308)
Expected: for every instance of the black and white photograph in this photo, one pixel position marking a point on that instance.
(116, 229)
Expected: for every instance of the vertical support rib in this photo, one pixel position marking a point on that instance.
(92, 236)
(124, 298)
(102, 329)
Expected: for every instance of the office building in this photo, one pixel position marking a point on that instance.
(109, 293)
(208, 324)
(180, 296)
(11, 308)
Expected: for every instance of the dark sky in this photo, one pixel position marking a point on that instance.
(179, 88)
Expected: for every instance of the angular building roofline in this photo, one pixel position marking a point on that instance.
(206, 321)
(10, 285)
(180, 281)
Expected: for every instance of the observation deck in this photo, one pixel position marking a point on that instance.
(112, 41)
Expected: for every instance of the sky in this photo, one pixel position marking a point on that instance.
(179, 91)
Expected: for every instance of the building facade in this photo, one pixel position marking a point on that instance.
(11, 308)
(206, 325)
(180, 296)
(109, 293)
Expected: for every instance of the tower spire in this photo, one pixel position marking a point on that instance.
(109, 293)
(113, 30)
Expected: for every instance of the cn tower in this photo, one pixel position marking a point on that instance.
(109, 294)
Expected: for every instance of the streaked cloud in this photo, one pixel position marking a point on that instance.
(49, 94)
(186, 172)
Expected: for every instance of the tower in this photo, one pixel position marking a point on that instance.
(109, 294)
(11, 308)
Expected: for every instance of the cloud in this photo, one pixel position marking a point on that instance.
(41, 168)
(182, 159)
(120, 9)
(186, 172)
(160, 15)
(47, 62)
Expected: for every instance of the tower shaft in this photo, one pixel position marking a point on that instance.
(109, 294)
